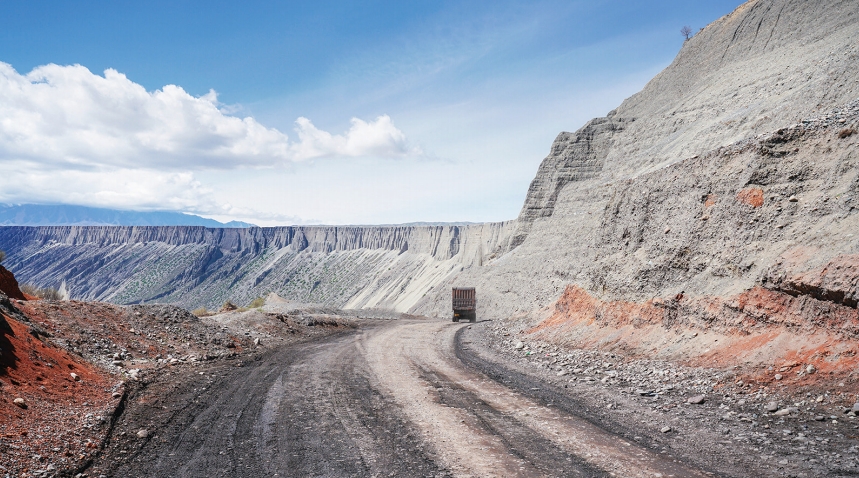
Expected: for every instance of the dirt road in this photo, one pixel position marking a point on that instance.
(392, 398)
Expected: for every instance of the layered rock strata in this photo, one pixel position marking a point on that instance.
(388, 267)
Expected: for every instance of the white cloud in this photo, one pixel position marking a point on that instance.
(378, 138)
(66, 115)
(70, 136)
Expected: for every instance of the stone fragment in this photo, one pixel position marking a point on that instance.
(793, 199)
(856, 407)
(772, 407)
(562, 373)
(819, 418)
(256, 341)
(810, 369)
(75, 377)
(519, 345)
(786, 411)
(20, 402)
(778, 376)
(142, 433)
(116, 395)
(665, 429)
(697, 399)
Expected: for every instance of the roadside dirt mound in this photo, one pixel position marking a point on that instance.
(55, 408)
(9, 286)
(65, 418)
(130, 339)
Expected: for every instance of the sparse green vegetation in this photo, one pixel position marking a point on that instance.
(46, 293)
(256, 303)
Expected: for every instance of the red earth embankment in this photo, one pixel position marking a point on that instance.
(9, 286)
(803, 327)
(63, 403)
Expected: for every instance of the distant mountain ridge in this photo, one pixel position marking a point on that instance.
(65, 215)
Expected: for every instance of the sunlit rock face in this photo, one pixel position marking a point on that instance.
(387, 267)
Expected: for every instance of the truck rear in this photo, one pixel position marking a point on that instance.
(464, 304)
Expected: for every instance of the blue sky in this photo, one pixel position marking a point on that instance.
(415, 111)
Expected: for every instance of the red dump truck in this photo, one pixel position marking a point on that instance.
(464, 304)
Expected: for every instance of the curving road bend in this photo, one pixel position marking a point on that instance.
(392, 398)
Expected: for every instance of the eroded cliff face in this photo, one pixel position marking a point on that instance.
(720, 202)
(765, 66)
(390, 267)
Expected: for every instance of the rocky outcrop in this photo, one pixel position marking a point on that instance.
(9, 286)
(836, 282)
(767, 65)
(575, 157)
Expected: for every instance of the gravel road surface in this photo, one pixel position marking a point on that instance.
(391, 398)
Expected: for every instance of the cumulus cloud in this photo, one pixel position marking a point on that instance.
(70, 136)
(377, 138)
(66, 115)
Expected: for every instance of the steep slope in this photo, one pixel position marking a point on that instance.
(596, 212)
(387, 266)
(9, 286)
(763, 67)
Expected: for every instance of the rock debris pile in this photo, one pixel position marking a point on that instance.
(67, 365)
(801, 430)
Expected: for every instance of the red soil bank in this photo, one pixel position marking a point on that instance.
(796, 321)
(64, 418)
(9, 286)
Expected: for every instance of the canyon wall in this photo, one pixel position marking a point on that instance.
(386, 267)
